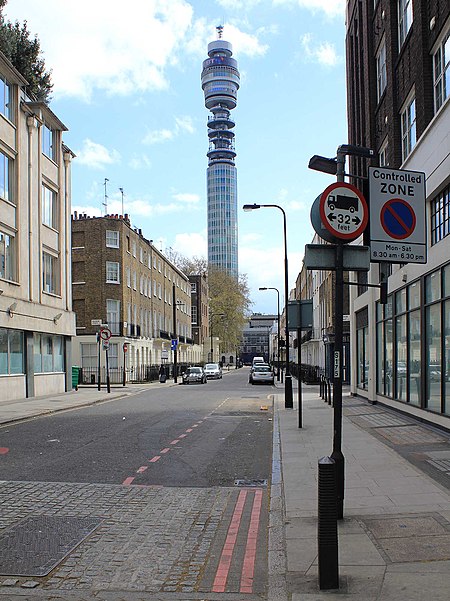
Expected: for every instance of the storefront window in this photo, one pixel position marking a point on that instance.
(11, 352)
(401, 370)
(447, 356)
(380, 361)
(433, 344)
(3, 351)
(414, 358)
(388, 367)
(414, 296)
(433, 287)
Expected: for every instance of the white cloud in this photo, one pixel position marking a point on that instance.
(331, 8)
(139, 162)
(186, 197)
(183, 124)
(96, 155)
(272, 274)
(323, 53)
(191, 245)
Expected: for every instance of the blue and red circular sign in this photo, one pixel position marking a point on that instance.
(398, 218)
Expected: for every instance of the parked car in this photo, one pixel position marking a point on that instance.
(261, 373)
(213, 370)
(194, 374)
(256, 360)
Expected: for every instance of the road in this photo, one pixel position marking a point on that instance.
(161, 493)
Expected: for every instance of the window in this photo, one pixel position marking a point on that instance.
(128, 272)
(134, 247)
(405, 19)
(112, 272)
(440, 216)
(141, 254)
(112, 239)
(159, 291)
(7, 257)
(194, 314)
(49, 212)
(193, 287)
(382, 154)
(381, 69)
(48, 142)
(11, 352)
(48, 353)
(50, 273)
(441, 72)
(5, 105)
(134, 280)
(408, 124)
(5, 177)
(113, 315)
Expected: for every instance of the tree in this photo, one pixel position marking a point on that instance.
(24, 52)
(226, 296)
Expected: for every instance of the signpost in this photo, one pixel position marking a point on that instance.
(397, 216)
(125, 351)
(300, 317)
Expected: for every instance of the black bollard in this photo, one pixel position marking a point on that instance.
(327, 533)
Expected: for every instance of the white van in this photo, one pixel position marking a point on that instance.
(257, 360)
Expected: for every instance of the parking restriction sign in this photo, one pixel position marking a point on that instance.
(397, 216)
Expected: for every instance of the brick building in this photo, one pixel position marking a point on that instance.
(398, 74)
(36, 318)
(199, 308)
(121, 279)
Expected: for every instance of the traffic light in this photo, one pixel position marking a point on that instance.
(383, 292)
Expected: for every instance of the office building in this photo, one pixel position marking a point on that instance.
(220, 83)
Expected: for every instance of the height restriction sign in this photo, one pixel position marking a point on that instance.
(397, 216)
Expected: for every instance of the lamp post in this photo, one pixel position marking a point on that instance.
(278, 326)
(288, 398)
(211, 331)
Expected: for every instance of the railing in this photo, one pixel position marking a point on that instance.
(143, 373)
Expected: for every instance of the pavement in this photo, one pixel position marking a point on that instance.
(394, 538)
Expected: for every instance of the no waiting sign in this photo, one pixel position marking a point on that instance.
(397, 216)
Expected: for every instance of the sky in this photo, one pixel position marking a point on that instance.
(127, 86)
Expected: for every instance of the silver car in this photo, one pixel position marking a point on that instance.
(261, 373)
(213, 370)
(194, 374)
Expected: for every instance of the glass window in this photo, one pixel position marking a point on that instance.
(382, 154)
(5, 92)
(112, 272)
(440, 216)
(48, 146)
(89, 356)
(408, 124)
(7, 257)
(433, 344)
(37, 354)
(58, 353)
(194, 314)
(4, 351)
(113, 315)
(414, 295)
(447, 280)
(388, 358)
(414, 358)
(49, 212)
(381, 68)
(405, 18)
(400, 301)
(401, 369)
(11, 352)
(47, 352)
(6, 178)
(441, 71)
(433, 287)
(447, 356)
(50, 275)
(112, 239)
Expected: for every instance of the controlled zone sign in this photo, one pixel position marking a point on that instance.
(343, 211)
(397, 216)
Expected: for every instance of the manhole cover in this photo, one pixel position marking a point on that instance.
(38, 544)
(251, 483)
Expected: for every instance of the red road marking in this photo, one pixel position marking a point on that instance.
(223, 568)
(189, 430)
(155, 458)
(175, 441)
(164, 451)
(128, 481)
(182, 436)
(248, 568)
(4, 450)
(142, 469)
(195, 426)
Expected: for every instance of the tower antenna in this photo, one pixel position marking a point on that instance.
(105, 201)
(219, 30)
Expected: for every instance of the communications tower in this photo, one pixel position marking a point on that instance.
(220, 83)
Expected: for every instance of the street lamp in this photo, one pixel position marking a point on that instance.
(211, 331)
(278, 325)
(288, 398)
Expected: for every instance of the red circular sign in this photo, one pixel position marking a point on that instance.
(125, 347)
(344, 215)
(105, 333)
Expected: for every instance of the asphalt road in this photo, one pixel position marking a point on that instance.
(162, 495)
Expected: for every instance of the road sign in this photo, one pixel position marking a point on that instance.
(164, 354)
(174, 344)
(105, 345)
(397, 216)
(96, 322)
(323, 257)
(105, 333)
(125, 347)
(300, 314)
(343, 211)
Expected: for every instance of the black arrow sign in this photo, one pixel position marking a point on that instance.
(356, 220)
(331, 217)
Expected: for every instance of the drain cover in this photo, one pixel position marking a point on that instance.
(252, 483)
(38, 544)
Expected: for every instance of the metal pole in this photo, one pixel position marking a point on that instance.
(299, 366)
(175, 364)
(212, 349)
(108, 383)
(288, 399)
(337, 454)
(99, 361)
(279, 334)
(124, 365)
